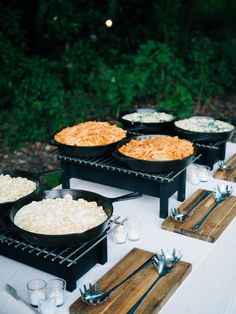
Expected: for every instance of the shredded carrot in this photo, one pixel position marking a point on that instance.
(90, 133)
(158, 148)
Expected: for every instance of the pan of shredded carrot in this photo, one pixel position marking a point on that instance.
(89, 139)
(155, 153)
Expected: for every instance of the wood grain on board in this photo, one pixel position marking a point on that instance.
(215, 224)
(127, 295)
(229, 175)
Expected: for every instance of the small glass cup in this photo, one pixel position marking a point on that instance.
(204, 173)
(47, 305)
(134, 230)
(36, 289)
(193, 175)
(56, 288)
(120, 234)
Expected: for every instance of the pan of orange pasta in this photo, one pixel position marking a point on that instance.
(88, 139)
(155, 153)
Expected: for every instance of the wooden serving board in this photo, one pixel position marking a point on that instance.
(127, 295)
(215, 224)
(229, 175)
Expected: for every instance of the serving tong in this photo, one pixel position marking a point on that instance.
(176, 214)
(163, 263)
(223, 165)
(92, 295)
(221, 193)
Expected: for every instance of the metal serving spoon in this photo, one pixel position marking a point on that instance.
(93, 295)
(176, 214)
(223, 166)
(220, 195)
(164, 264)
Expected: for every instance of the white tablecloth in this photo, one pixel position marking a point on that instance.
(209, 289)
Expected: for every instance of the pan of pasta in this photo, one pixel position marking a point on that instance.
(62, 217)
(204, 129)
(88, 139)
(155, 153)
(147, 120)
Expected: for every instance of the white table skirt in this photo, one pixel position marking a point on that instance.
(210, 287)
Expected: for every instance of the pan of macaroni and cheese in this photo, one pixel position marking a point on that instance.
(63, 217)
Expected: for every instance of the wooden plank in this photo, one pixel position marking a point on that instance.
(214, 226)
(127, 295)
(228, 175)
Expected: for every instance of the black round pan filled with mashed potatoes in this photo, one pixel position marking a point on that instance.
(147, 120)
(204, 129)
(62, 217)
(14, 185)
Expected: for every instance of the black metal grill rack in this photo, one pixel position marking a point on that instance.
(210, 153)
(109, 171)
(69, 263)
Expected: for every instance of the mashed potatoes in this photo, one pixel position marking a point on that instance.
(60, 216)
(12, 189)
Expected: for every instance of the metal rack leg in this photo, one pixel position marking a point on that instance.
(182, 186)
(163, 201)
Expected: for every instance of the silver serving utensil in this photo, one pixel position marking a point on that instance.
(220, 194)
(223, 166)
(13, 292)
(176, 214)
(92, 295)
(164, 264)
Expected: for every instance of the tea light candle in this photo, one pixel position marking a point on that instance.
(204, 173)
(59, 296)
(36, 296)
(36, 289)
(134, 231)
(120, 234)
(56, 289)
(47, 306)
(193, 177)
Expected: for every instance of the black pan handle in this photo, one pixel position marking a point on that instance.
(125, 197)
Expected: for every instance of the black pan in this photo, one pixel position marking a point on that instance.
(152, 166)
(144, 127)
(203, 136)
(72, 239)
(5, 206)
(84, 151)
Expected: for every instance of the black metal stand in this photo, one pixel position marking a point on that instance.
(57, 261)
(211, 153)
(162, 186)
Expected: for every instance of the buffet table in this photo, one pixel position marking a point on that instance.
(209, 288)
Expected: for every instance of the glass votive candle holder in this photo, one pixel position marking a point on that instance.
(47, 305)
(204, 173)
(36, 290)
(120, 234)
(134, 230)
(193, 175)
(56, 288)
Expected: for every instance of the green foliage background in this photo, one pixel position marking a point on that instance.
(60, 65)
